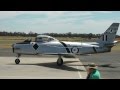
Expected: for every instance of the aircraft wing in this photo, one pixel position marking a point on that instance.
(67, 55)
(58, 54)
(86, 45)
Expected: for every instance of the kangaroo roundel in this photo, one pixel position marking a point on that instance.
(74, 50)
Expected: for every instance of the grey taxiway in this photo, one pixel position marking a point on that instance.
(37, 67)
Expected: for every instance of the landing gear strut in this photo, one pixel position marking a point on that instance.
(17, 61)
(60, 61)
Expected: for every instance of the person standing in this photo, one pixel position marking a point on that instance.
(93, 72)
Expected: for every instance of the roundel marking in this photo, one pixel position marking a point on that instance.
(74, 50)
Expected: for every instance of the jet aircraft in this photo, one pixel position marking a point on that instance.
(47, 45)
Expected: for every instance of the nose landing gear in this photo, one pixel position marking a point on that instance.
(17, 61)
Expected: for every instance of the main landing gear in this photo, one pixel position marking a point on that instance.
(60, 61)
(17, 61)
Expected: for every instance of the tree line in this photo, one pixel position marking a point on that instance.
(69, 34)
(4, 33)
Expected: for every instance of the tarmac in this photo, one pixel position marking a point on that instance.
(108, 63)
(37, 67)
(41, 68)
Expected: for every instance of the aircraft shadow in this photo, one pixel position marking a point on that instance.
(104, 65)
(107, 65)
(54, 65)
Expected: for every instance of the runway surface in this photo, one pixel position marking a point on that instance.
(108, 64)
(41, 68)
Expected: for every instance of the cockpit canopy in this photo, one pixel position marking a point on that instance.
(44, 38)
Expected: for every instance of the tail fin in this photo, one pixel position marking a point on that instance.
(109, 35)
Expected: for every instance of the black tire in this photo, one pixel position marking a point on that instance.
(17, 61)
(60, 62)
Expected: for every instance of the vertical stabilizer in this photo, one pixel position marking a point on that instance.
(108, 36)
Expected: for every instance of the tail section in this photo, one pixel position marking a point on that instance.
(108, 36)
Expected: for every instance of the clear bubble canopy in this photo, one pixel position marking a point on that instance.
(44, 38)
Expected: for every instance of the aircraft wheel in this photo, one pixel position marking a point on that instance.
(17, 61)
(60, 62)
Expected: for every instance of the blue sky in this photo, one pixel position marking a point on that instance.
(58, 21)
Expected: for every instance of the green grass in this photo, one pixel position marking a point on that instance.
(7, 41)
(117, 47)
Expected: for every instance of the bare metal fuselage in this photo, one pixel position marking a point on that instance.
(58, 48)
(48, 45)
